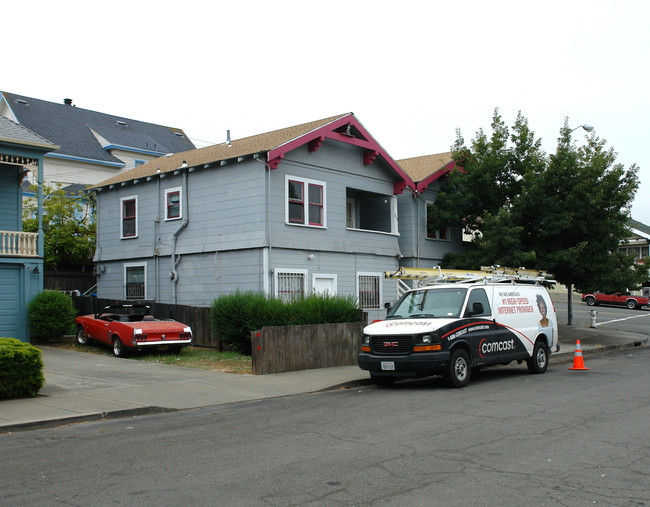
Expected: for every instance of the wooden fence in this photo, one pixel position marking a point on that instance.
(291, 348)
(69, 281)
(198, 318)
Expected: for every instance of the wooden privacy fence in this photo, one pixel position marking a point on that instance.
(290, 348)
(198, 318)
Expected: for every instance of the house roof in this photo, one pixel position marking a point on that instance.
(274, 145)
(12, 133)
(72, 129)
(639, 228)
(426, 169)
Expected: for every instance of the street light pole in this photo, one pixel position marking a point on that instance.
(587, 128)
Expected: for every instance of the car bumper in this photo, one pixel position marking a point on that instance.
(160, 343)
(411, 365)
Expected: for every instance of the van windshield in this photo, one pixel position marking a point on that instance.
(429, 303)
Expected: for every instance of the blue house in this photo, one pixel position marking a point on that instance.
(309, 208)
(21, 253)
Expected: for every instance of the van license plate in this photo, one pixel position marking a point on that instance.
(388, 366)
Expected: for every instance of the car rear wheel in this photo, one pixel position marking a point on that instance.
(460, 369)
(631, 304)
(82, 337)
(119, 350)
(590, 300)
(538, 363)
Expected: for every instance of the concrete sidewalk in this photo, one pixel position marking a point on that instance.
(85, 387)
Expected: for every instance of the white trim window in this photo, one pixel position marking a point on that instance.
(432, 233)
(369, 290)
(129, 217)
(290, 284)
(305, 202)
(173, 203)
(324, 284)
(135, 281)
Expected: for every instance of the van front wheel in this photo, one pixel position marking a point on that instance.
(460, 369)
(538, 363)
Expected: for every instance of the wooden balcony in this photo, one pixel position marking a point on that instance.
(18, 244)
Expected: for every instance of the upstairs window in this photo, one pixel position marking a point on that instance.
(305, 202)
(432, 231)
(129, 217)
(173, 203)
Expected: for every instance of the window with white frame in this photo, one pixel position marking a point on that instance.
(135, 281)
(432, 231)
(290, 284)
(129, 216)
(369, 290)
(173, 203)
(305, 202)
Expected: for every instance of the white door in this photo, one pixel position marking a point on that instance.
(324, 284)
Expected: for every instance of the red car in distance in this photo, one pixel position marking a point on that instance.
(632, 302)
(131, 327)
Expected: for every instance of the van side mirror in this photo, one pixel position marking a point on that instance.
(477, 309)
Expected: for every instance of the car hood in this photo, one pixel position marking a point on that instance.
(405, 326)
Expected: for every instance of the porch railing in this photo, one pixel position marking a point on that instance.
(18, 244)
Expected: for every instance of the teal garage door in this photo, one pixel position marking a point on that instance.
(9, 291)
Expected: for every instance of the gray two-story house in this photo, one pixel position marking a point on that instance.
(21, 253)
(309, 208)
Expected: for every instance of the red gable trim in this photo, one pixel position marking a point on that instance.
(315, 138)
(423, 185)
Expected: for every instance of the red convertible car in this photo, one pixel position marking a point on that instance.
(131, 327)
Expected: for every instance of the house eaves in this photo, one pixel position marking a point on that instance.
(13, 133)
(271, 148)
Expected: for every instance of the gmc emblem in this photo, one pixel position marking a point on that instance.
(391, 344)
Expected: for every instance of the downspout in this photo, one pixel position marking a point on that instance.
(156, 225)
(267, 272)
(174, 274)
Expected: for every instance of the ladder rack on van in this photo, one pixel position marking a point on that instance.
(496, 274)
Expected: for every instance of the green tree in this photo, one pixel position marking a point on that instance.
(68, 226)
(563, 213)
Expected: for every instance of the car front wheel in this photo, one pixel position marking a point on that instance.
(590, 300)
(460, 369)
(82, 337)
(119, 350)
(631, 304)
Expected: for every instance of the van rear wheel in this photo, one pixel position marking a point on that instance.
(460, 369)
(538, 363)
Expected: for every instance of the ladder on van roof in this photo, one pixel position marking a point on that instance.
(495, 274)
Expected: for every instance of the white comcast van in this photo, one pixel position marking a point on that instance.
(451, 329)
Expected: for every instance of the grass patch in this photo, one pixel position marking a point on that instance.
(201, 358)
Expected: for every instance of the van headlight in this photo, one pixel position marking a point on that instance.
(365, 343)
(427, 343)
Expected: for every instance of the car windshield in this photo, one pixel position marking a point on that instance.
(429, 303)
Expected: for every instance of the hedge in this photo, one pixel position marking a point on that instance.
(234, 316)
(21, 369)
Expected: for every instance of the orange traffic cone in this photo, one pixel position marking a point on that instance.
(578, 362)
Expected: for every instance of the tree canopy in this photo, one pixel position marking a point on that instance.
(564, 213)
(68, 227)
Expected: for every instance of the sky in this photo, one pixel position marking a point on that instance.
(412, 72)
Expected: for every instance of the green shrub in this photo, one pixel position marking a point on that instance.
(51, 314)
(21, 369)
(233, 317)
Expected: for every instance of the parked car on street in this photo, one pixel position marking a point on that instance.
(131, 327)
(632, 302)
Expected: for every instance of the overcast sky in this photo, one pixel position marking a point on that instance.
(412, 72)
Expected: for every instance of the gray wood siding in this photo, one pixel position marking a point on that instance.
(10, 208)
(417, 249)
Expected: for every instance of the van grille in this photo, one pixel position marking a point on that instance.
(391, 345)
